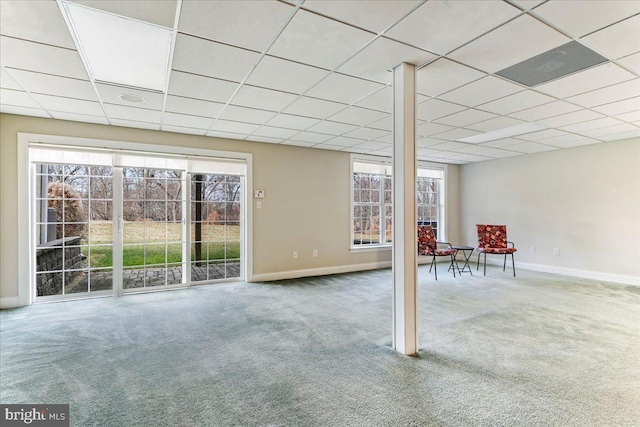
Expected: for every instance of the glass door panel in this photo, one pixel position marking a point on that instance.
(153, 236)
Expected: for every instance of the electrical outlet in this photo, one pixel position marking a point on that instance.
(315, 253)
(295, 254)
(556, 251)
(533, 249)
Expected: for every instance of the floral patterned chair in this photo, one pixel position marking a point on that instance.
(427, 245)
(492, 239)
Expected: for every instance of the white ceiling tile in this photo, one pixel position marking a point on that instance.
(316, 138)
(346, 89)
(481, 91)
(358, 116)
(173, 119)
(292, 122)
(200, 87)
(79, 117)
(274, 132)
(578, 143)
(449, 146)
(372, 15)
(182, 129)
(618, 40)
(632, 62)
(542, 135)
(516, 102)
(371, 145)
(23, 111)
(465, 117)
(583, 17)
(455, 134)
(110, 94)
(429, 27)
(346, 142)
(248, 24)
(593, 124)
(135, 124)
(285, 75)
(122, 112)
(546, 110)
(502, 143)
(625, 135)
(332, 128)
(436, 108)
(38, 21)
(427, 129)
(495, 124)
(69, 105)
(265, 139)
(312, 107)
(381, 100)
(560, 141)
(194, 107)
(212, 59)
(229, 135)
(388, 138)
(248, 115)
(607, 132)
(471, 158)
(315, 40)
(384, 124)
(520, 39)
(621, 91)
(17, 98)
(54, 85)
(444, 75)
(266, 99)
(593, 78)
(160, 13)
(528, 4)
(376, 61)
(7, 82)
(531, 147)
(570, 118)
(41, 58)
(633, 116)
(366, 133)
(620, 107)
(428, 142)
(234, 127)
(298, 143)
(328, 147)
(427, 151)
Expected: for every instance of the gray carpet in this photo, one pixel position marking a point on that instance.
(537, 350)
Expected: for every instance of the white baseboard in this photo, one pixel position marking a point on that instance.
(9, 302)
(584, 274)
(322, 271)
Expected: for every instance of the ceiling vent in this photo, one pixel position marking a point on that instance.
(553, 64)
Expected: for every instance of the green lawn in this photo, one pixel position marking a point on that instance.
(219, 242)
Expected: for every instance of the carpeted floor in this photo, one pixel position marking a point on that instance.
(537, 350)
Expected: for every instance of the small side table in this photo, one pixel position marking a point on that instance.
(467, 251)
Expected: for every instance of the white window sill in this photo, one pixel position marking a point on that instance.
(371, 248)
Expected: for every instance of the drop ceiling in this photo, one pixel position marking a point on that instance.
(316, 73)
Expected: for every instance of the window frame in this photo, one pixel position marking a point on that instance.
(387, 161)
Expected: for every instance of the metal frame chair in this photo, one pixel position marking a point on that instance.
(427, 245)
(492, 239)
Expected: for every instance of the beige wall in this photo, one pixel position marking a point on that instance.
(306, 205)
(584, 201)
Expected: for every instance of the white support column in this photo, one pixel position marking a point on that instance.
(405, 253)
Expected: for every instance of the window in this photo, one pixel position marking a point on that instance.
(372, 200)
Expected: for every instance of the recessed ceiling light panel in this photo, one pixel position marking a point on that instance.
(119, 50)
(553, 64)
(504, 133)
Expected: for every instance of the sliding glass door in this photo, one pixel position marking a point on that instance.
(157, 227)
